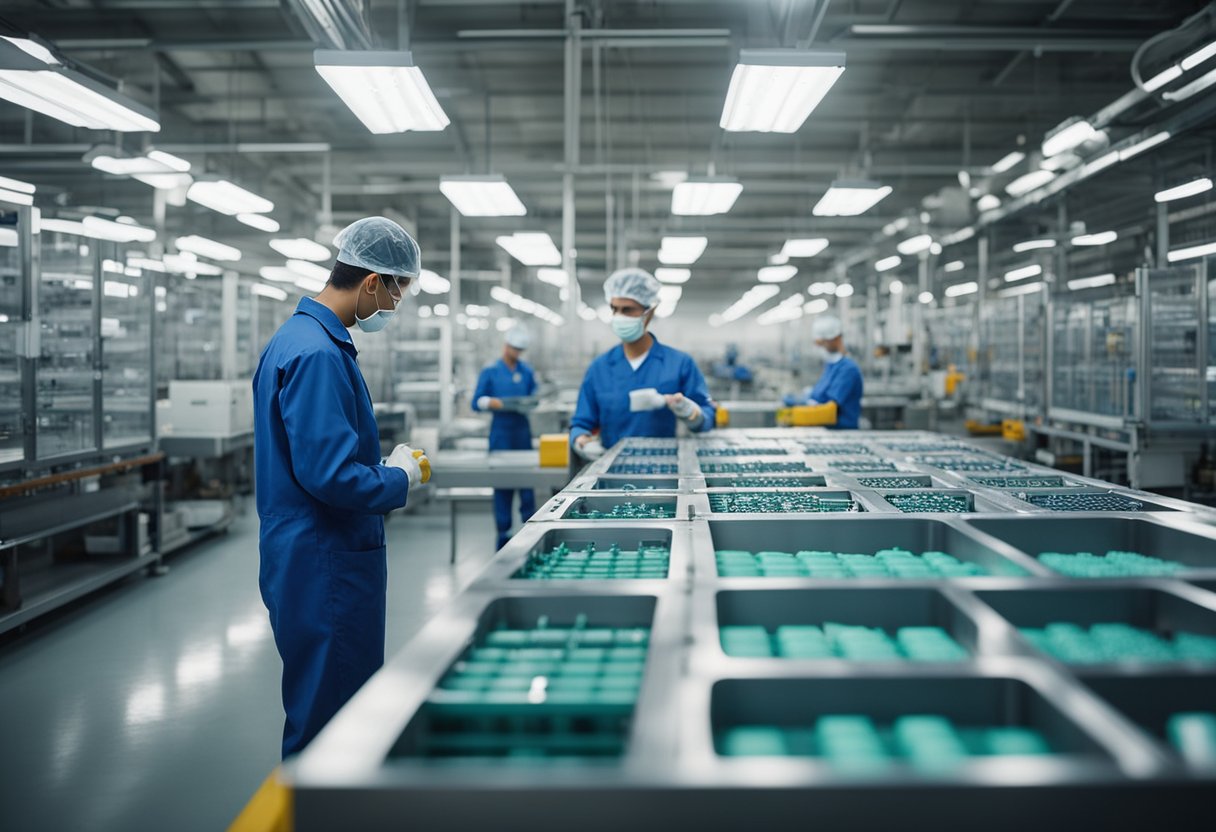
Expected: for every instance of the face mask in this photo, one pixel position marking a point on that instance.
(629, 329)
(828, 357)
(376, 321)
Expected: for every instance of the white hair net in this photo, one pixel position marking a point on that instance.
(635, 284)
(518, 337)
(826, 327)
(380, 245)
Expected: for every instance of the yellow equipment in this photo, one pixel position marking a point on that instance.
(808, 415)
(554, 450)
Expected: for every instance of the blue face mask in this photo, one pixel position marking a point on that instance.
(629, 329)
(376, 321)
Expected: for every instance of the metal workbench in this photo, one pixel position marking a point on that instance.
(1110, 768)
(495, 469)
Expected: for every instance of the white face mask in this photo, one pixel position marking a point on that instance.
(828, 357)
(378, 320)
(628, 329)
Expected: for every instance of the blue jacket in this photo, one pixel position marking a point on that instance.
(841, 383)
(509, 431)
(603, 400)
(321, 497)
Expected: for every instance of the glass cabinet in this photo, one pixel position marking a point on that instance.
(12, 366)
(1094, 356)
(1176, 350)
(64, 388)
(126, 346)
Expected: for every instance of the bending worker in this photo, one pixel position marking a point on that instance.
(840, 387)
(640, 387)
(508, 378)
(322, 489)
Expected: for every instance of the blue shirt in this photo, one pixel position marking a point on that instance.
(603, 400)
(508, 430)
(841, 383)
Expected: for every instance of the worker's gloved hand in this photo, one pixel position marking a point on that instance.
(589, 447)
(413, 462)
(489, 403)
(684, 408)
(647, 398)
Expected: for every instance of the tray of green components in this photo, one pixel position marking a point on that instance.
(968, 464)
(645, 560)
(896, 482)
(755, 467)
(742, 450)
(1110, 626)
(834, 449)
(1088, 501)
(542, 678)
(888, 727)
(1041, 481)
(619, 483)
(666, 469)
(862, 466)
(634, 451)
(879, 547)
(622, 508)
(926, 447)
(782, 502)
(755, 481)
(939, 501)
(892, 625)
(1178, 711)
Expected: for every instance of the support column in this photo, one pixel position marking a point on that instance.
(228, 317)
(447, 384)
(1163, 235)
(573, 99)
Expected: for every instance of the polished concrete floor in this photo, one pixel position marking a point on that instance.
(155, 705)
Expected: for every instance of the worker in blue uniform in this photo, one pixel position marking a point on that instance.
(322, 488)
(639, 387)
(841, 383)
(509, 378)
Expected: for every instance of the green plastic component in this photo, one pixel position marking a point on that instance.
(886, 563)
(625, 511)
(937, 502)
(647, 561)
(1116, 642)
(1193, 735)
(843, 641)
(1084, 502)
(1113, 564)
(778, 502)
(753, 741)
(894, 482)
(754, 467)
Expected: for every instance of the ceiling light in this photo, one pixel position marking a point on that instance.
(954, 266)
(309, 270)
(1091, 282)
(988, 202)
(1101, 163)
(385, 90)
(1024, 289)
(896, 287)
(120, 232)
(704, 197)
(815, 307)
(554, 277)
(1188, 253)
(189, 265)
(16, 192)
(681, 251)
(261, 223)
(888, 263)
(925, 297)
(845, 290)
(482, 196)
(161, 170)
(31, 77)
(1008, 161)
(935, 248)
(1060, 161)
(272, 292)
(1027, 182)
(278, 274)
(1071, 133)
(521, 304)
(850, 198)
(776, 274)
(670, 275)
(1193, 88)
(670, 293)
(146, 263)
(313, 286)
(1165, 76)
(775, 90)
(226, 198)
(915, 245)
(960, 289)
(1198, 56)
(1023, 272)
(301, 248)
(1099, 239)
(207, 248)
(432, 283)
(532, 248)
(1031, 245)
(752, 298)
(1192, 188)
(805, 247)
(778, 259)
(63, 226)
(790, 309)
(1139, 147)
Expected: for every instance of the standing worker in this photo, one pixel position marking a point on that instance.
(840, 387)
(639, 387)
(322, 488)
(499, 389)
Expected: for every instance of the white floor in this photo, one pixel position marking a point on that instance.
(155, 705)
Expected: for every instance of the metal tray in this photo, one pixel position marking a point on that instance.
(625, 482)
(976, 502)
(835, 494)
(1148, 504)
(1149, 701)
(792, 480)
(545, 537)
(565, 506)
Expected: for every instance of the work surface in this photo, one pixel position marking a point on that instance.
(495, 469)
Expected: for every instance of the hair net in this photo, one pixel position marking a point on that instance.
(518, 337)
(635, 284)
(826, 327)
(379, 245)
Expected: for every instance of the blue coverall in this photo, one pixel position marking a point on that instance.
(321, 497)
(509, 431)
(841, 383)
(603, 400)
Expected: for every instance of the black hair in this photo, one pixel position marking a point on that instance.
(346, 276)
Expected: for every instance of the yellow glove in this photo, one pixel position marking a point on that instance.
(424, 464)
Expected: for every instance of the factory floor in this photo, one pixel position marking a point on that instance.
(155, 705)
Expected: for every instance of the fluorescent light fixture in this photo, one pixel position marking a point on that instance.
(278, 274)
(520, 304)
(1024, 289)
(1091, 282)
(1023, 272)
(850, 198)
(1008, 161)
(826, 287)
(1192, 188)
(532, 248)
(1188, 253)
(954, 266)
(207, 248)
(226, 198)
(925, 297)
(31, 77)
(1101, 163)
(1070, 133)
(312, 286)
(789, 309)
(844, 290)
(704, 197)
(896, 287)
(272, 292)
(669, 275)
(433, 283)
(261, 223)
(385, 90)
(554, 277)
(935, 248)
(778, 259)
(816, 307)
(441, 310)
(188, 264)
(805, 247)
(775, 90)
(988, 202)
(301, 248)
(1139, 147)
(888, 263)
(1165, 76)
(482, 196)
(120, 232)
(63, 226)
(960, 289)
(776, 274)
(311, 271)
(681, 251)
(16, 192)
(1027, 182)
(752, 298)
(146, 264)
(1060, 161)
(915, 245)
(670, 293)
(1198, 56)
(1031, 245)
(1101, 238)
(161, 170)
